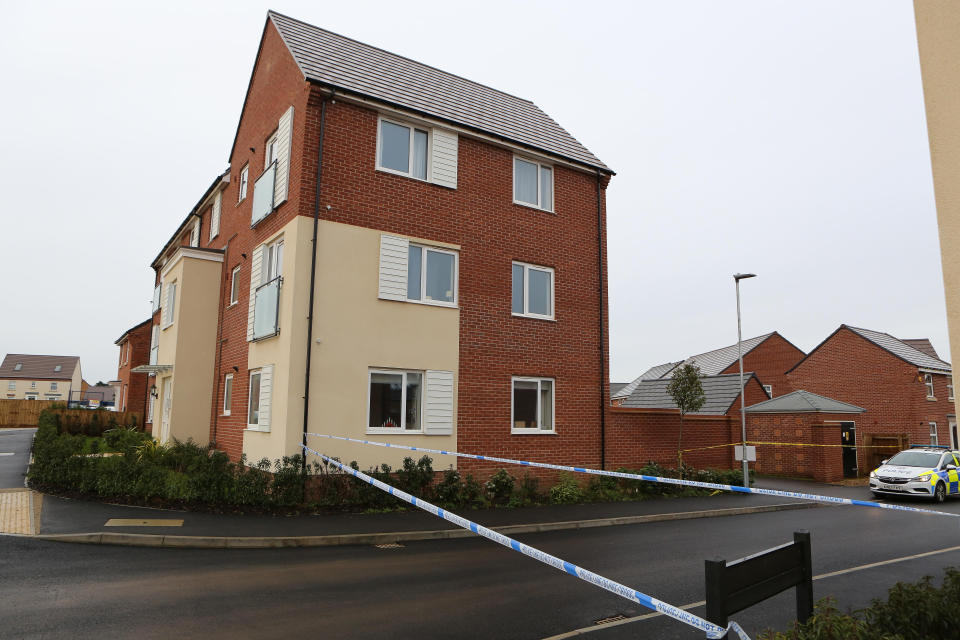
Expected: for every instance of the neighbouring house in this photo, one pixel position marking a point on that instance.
(34, 377)
(97, 396)
(938, 22)
(815, 426)
(767, 356)
(394, 252)
(645, 425)
(904, 387)
(132, 387)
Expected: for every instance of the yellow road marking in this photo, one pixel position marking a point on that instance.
(16, 512)
(694, 605)
(137, 522)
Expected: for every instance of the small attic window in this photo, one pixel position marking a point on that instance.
(18, 366)
(58, 367)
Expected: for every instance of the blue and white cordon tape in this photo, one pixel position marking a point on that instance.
(712, 630)
(634, 476)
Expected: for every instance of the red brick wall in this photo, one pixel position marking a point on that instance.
(851, 369)
(480, 216)
(770, 360)
(822, 463)
(136, 384)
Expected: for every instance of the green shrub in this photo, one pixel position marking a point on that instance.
(499, 488)
(566, 491)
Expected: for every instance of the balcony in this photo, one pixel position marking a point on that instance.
(263, 190)
(266, 309)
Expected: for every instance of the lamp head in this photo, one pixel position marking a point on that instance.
(743, 276)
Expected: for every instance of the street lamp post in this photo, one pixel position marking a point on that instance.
(737, 277)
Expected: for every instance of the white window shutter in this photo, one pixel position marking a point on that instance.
(156, 298)
(266, 393)
(165, 316)
(282, 178)
(195, 235)
(215, 215)
(256, 268)
(393, 267)
(438, 411)
(443, 159)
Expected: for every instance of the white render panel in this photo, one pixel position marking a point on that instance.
(282, 178)
(256, 264)
(266, 393)
(215, 215)
(393, 267)
(438, 404)
(165, 316)
(443, 160)
(195, 235)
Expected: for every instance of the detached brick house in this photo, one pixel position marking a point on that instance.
(905, 388)
(131, 388)
(394, 252)
(767, 356)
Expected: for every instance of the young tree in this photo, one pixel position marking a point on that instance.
(687, 394)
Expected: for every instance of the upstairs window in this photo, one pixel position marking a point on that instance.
(533, 184)
(431, 275)
(53, 386)
(170, 305)
(268, 260)
(12, 386)
(244, 177)
(402, 149)
(769, 389)
(950, 388)
(18, 366)
(933, 433)
(532, 291)
(227, 394)
(235, 286)
(928, 381)
(33, 385)
(59, 367)
(270, 150)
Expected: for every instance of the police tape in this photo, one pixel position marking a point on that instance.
(712, 630)
(636, 476)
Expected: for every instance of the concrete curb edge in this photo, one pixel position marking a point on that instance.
(273, 542)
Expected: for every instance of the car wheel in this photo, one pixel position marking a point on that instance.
(940, 493)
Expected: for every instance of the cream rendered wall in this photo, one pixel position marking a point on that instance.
(938, 37)
(43, 388)
(285, 351)
(358, 331)
(189, 344)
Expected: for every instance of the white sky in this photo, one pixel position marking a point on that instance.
(783, 138)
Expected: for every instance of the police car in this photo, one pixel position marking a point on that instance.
(925, 471)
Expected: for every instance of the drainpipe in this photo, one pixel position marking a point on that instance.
(603, 394)
(313, 279)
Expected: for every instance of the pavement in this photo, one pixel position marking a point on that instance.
(68, 520)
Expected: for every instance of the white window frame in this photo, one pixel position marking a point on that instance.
(227, 394)
(270, 149)
(553, 400)
(411, 127)
(53, 386)
(403, 400)
(253, 372)
(928, 381)
(234, 286)
(272, 260)
(33, 384)
(12, 385)
(172, 302)
(526, 290)
(424, 249)
(934, 435)
(950, 388)
(553, 182)
(243, 183)
(769, 389)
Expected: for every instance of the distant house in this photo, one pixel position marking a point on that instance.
(904, 386)
(35, 377)
(767, 356)
(131, 387)
(99, 395)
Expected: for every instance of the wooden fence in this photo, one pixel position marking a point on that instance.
(26, 413)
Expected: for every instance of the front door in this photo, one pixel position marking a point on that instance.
(954, 441)
(165, 416)
(848, 438)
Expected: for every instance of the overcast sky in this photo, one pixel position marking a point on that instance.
(783, 138)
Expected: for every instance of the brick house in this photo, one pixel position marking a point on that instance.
(131, 387)
(905, 388)
(767, 356)
(394, 251)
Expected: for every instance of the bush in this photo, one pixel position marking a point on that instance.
(566, 491)
(499, 488)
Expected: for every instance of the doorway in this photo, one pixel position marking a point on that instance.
(165, 415)
(848, 438)
(954, 441)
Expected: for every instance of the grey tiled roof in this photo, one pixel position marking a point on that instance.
(720, 392)
(803, 402)
(924, 345)
(652, 373)
(901, 349)
(345, 64)
(714, 362)
(616, 386)
(38, 367)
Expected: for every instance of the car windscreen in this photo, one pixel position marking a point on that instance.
(926, 459)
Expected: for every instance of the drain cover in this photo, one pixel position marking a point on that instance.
(615, 618)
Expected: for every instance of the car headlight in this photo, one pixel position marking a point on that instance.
(873, 474)
(925, 478)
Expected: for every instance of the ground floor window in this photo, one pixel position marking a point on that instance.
(532, 405)
(396, 398)
(253, 410)
(227, 393)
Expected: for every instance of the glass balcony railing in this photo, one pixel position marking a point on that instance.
(263, 194)
(266, 309)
